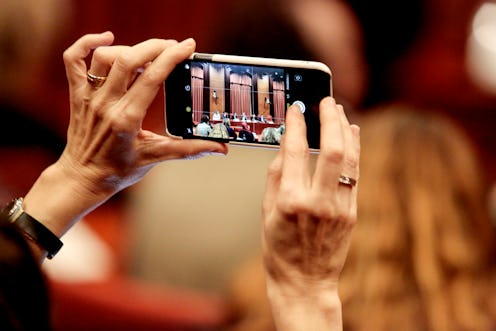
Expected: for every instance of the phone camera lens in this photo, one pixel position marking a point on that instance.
(187, 88)
(298, 78)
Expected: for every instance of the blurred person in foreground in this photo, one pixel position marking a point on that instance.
(29, 32)
(107, 151)
(322, 30)
(422, 255)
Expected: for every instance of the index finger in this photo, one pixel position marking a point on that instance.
(332, 147)
(146, 86)
(74, 56)
(295, 151)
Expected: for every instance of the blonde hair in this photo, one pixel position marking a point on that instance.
(422, 252)
(219, 130)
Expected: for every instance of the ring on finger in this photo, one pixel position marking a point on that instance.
(95, 81)
(348, 181)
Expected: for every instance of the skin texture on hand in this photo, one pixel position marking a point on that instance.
(107, 150)
(308, 220)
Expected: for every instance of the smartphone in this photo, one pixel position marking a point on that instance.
(208, 95)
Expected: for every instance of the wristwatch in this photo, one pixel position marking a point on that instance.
(32, 228)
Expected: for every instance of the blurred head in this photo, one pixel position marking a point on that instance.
(320, 30)
(423, 241)
(28, 31)
(227, 122)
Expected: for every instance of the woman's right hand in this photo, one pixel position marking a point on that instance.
(308, 220)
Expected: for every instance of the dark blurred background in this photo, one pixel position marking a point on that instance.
(429, 54)
(416, 50)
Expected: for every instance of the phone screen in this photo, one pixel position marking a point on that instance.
(250, 101)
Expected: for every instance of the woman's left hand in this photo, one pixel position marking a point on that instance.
(107, 150)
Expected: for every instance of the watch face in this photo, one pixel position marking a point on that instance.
(12, 209)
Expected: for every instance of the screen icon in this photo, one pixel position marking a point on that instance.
(301, 105)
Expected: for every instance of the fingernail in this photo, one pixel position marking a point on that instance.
(188, 42)
(107, 33)
(300, 105)
(215, 154)
(355, 129)
(330, 101)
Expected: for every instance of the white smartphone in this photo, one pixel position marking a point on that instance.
(247, 97)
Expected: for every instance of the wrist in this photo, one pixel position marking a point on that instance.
(43, 241)
(60, 198)
(309, 306)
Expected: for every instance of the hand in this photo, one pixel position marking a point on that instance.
(308, 219)
(107, 150)
(105, 137)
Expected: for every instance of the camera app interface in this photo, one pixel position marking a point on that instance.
(246, 103)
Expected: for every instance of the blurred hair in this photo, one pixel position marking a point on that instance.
(272, 135)
(325, 31)
(219, 130)
(422, 254)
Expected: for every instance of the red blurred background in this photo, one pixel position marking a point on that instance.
(431, 74)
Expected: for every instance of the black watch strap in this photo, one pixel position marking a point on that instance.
(32, 228)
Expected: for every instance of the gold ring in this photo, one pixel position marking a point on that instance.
(95, 81)
(345, 180)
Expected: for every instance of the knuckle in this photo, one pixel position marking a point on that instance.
(352, 161)
(68, 56)
(152, 76)
(334, 155)
(299, 152)
(100, 54)
(114, 121)
(97, 107)
(330, 212)
(292, 201)
(119, 123)
(274, 169)
(324, 211)
(126, 60)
